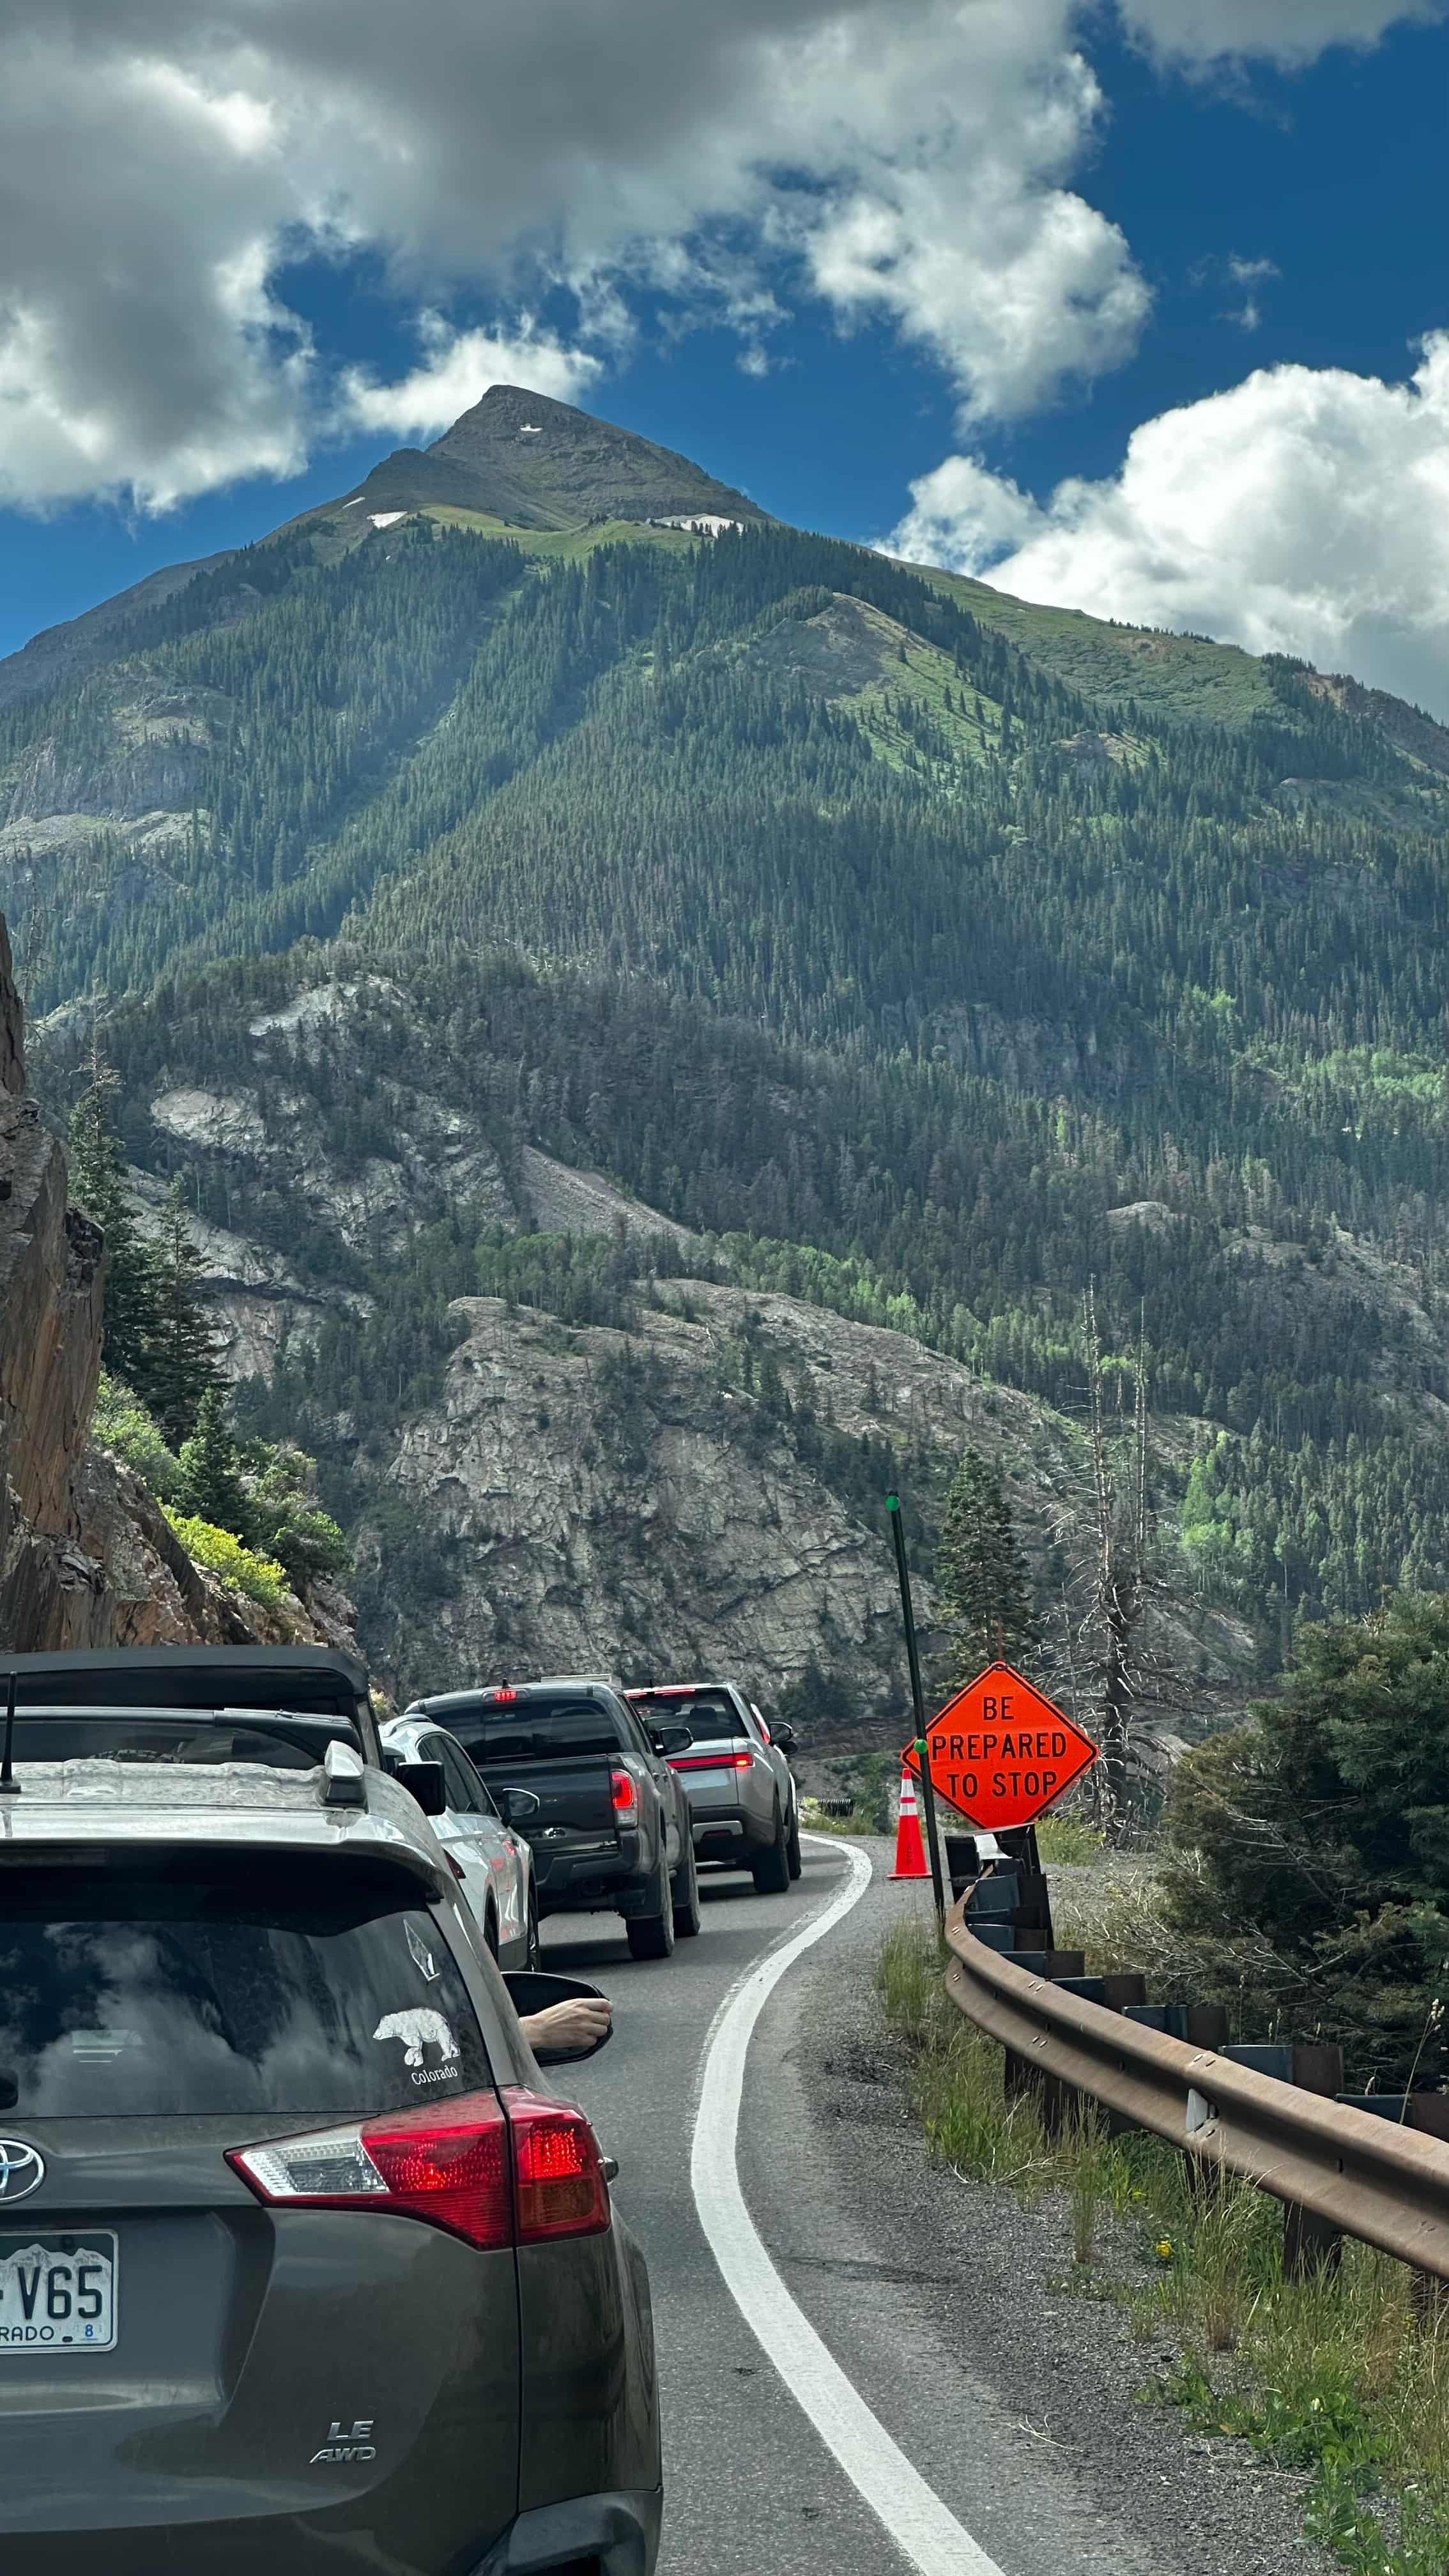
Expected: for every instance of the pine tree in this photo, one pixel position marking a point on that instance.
(982, 1581)
(180, 1367)
(98, 1184)
(209, 1463)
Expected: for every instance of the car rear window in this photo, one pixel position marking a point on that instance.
(72, 1736)
(246, 1990)
(536, 1730)
(710, 1713)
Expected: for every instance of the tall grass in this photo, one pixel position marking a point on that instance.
(1071, 1839)
(1336, 2374)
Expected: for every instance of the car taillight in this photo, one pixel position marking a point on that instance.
(505, 1691)
(446, 2163)
(709, 1761)
(495, 2177)
(625, 1795)
(559, 2186)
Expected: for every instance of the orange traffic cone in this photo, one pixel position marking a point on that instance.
(910, 1850)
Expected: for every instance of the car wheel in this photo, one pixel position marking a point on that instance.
(534, 1953)
(651, 1936)
(771, 1867)
(792, 1847)
(686, 1897)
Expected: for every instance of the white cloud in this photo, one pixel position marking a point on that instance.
(913, 162)
(1286, 31)
(1306, 511)
(456, 373)
(909, 160)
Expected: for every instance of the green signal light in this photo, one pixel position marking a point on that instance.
(893, 1502)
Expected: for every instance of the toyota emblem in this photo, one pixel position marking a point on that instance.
(22, 2169)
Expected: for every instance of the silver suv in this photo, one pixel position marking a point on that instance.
(301, 2265)
(742, 1792)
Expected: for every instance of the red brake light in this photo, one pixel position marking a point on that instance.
(559, 2187)
(505, 1691)
(495, 2177)
(447, 2163)
(709, 1761)
(625, 1794)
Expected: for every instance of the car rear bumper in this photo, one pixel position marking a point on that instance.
(567, 1882)
(620, 2532)
(729, 1833)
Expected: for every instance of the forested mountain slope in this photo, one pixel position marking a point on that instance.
(944, 954)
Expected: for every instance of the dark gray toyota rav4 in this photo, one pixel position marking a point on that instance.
(303, 2267)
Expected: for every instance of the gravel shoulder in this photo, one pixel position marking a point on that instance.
(1017, 2399)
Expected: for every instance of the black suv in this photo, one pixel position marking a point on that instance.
(302, 2267)
(569, 1764)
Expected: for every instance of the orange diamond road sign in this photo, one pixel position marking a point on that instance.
(1000, 1751)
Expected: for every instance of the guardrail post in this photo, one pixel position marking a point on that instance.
(1310, 2242)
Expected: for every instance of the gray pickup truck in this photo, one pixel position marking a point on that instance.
(570, 1765)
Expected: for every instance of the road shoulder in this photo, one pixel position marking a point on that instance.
(1017, 2403)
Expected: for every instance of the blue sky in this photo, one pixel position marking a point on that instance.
(1320, 176)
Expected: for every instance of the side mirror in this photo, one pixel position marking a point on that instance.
(672, 1739)
(529, 1991)
(784, 1736)
(424, 1781)
(515, 1806)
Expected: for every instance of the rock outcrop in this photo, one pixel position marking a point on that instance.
(703, 1494)
(87, 1557)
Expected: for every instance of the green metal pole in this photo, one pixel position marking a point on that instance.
(928, 1793)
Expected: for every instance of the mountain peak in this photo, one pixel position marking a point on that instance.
(537, 463)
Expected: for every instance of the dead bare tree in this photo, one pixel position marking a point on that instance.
(1121, 1689)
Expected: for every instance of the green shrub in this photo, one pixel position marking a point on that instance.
(1070, 1839)
(121, 1423)
(261, 1578)
(282, 1516)
(1321, 1829)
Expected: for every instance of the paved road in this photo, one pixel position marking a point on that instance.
(753, 2489)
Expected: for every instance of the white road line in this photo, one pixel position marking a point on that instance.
(926, 2534)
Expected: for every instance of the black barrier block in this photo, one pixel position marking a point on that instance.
(1093, 1990)
(1385, 2106)
(1033, 1961)
(995, 1934)
(995, 1895)
(1151, 2016)
(1124, 1989)
(1264, 2060)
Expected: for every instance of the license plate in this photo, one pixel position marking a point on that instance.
(58, 2293)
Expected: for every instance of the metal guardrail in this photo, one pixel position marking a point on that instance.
(1364, 2176)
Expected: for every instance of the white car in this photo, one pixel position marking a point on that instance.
(492, 1865)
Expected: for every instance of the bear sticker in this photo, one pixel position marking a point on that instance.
(419, 2030)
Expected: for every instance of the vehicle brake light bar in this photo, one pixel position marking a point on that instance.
(709, 1761)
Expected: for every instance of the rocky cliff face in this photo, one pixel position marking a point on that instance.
(86, 1556)
(704, 1494)
(701, 1491)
